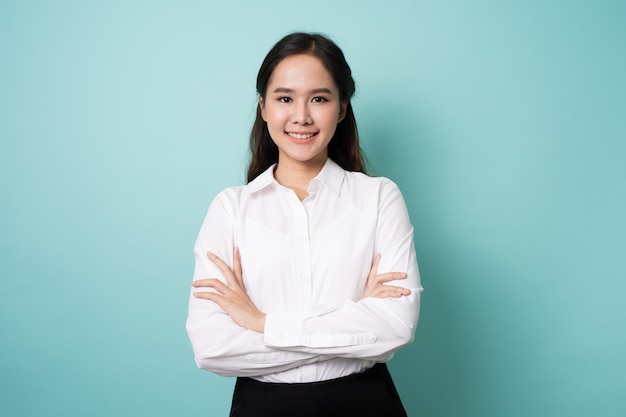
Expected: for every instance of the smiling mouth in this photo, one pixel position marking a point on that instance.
(301, 136)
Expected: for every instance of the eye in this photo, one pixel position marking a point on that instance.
(319, 100)
(284, 99)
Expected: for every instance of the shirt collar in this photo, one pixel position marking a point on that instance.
(262, 180)
(331, 176)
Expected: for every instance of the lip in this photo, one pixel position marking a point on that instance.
(301, 137)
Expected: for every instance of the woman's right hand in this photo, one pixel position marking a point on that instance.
(376, 287)
(231, 296)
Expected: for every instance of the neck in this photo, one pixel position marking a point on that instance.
(297, 176)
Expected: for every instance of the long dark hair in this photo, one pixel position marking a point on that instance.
(344, 147)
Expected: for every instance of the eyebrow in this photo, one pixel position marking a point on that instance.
(315, 91)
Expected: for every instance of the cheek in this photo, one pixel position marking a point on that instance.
(274, 116)
(276, 122)
(329, 119)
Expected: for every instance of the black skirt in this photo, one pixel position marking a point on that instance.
(368, 394)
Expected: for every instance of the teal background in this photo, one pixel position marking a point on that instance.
(504, 123)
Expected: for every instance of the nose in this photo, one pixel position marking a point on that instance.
(301, 114)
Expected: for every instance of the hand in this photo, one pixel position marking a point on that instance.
(232, 296)
(376, 287)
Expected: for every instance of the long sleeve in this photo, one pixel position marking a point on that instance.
(218, 343)
(371, 328)
(305, 265)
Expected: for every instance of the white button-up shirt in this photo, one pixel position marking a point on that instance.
(305, 264)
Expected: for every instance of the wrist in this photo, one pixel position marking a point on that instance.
(259, 325)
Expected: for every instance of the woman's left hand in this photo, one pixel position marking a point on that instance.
(232, 296)
(377, 284)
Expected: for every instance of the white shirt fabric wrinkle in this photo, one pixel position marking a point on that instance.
(305, 265)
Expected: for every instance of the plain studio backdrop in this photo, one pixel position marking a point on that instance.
(503, 122)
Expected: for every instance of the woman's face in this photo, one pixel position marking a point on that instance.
(302, 108)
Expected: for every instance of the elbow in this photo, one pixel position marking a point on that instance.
(212, 364)
(405, 336)
(405, 332)
(210, 358)
(208, 353)
(412, 316)
(387, 347)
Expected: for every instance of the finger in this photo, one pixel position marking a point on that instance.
(211, 296)
(387, 291)
(237, 267)
(214, 283)
(224, 268)
(217, 261)
(374, 267)
(389, 276)
(389, 294)
(202, 282)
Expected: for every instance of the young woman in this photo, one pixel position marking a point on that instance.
(306, 279)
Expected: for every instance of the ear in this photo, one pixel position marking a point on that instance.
(262, 108)
(342, 111)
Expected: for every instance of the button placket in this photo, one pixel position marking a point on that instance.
(303, 250)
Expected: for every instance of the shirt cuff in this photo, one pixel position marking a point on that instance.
(285, 330)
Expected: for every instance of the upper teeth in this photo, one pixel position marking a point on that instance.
(298, 136)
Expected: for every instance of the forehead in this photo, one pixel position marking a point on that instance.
(301, 72)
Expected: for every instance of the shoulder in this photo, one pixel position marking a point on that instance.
(379, 194)
(230, 193)
(227, 200)
(360, 181)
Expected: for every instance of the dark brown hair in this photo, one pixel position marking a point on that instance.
(344, 147)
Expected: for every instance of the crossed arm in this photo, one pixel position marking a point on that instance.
(230, 336)
(233, 299)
